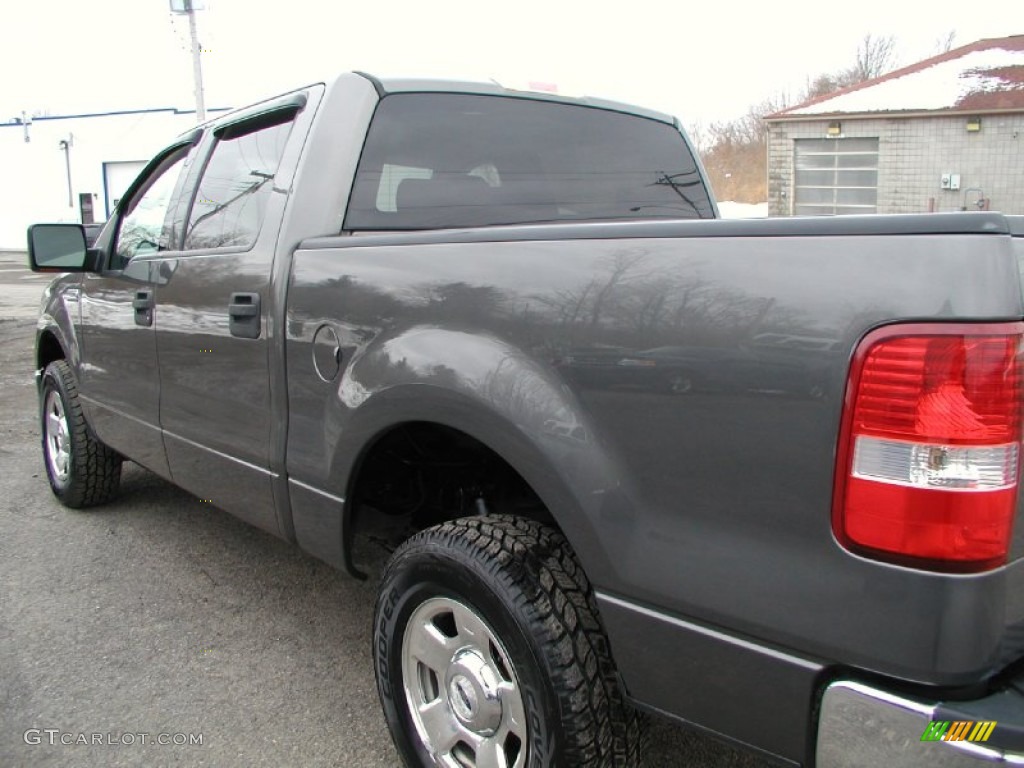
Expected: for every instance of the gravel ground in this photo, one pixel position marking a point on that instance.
(159, 615)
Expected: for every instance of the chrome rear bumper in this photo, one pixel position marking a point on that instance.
(863, 727)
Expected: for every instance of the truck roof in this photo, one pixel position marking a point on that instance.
(386, 85)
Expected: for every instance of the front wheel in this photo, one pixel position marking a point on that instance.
(489, 653)
(82, 470)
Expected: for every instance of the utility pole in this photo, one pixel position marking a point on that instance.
(188, 8)
(65, 147)
(197, 65)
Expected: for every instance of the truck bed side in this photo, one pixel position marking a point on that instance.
(673, 393)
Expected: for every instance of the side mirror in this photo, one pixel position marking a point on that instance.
(58, 248)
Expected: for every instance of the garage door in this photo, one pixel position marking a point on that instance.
(117, 176)
(836, 176)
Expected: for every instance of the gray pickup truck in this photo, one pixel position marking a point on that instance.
(760, 477)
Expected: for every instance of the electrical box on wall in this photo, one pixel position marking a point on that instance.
(950, 181)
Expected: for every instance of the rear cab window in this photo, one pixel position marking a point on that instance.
(439, 160)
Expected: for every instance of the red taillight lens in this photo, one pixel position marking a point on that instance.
(930, 446)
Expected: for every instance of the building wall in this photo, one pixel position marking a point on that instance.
(914, 153)
(35, 187)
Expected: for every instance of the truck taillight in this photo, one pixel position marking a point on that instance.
(929, 450)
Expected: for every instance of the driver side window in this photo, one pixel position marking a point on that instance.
(142, 230)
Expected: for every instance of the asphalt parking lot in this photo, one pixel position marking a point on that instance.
(159, 618)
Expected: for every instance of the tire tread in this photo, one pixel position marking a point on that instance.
(534, 563)
(95, 468)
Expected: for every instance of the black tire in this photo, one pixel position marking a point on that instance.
(523, 582)
(88, 472)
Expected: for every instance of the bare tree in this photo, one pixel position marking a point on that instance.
(699, 135)
(875, 57)
(822, 85)
(735, 151)
(945, 43)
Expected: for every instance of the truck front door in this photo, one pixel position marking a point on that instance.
(117, 374)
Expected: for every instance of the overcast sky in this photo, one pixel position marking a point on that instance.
(700, 61)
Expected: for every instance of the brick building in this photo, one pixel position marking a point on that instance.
(945, 134)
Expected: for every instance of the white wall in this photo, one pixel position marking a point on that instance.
(34, 178)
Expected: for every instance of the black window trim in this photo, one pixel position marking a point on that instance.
(145, 177)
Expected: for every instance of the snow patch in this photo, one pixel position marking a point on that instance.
(941, 86)
(731, 210)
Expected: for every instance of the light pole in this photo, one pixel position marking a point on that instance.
(189, 8)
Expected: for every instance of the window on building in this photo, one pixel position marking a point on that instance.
(236, 184)
(836, 176)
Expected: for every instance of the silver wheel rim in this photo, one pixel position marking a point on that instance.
(58, 441)
(462, 691)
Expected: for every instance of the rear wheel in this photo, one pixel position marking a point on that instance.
(489, 653)
(82, 471)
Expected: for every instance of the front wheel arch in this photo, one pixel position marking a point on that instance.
(48, 349)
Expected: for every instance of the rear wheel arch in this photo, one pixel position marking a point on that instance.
(507, 402)
(574, 479)
(575, 476)
(518, 470)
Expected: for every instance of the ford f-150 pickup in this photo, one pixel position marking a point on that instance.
(761, 477)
